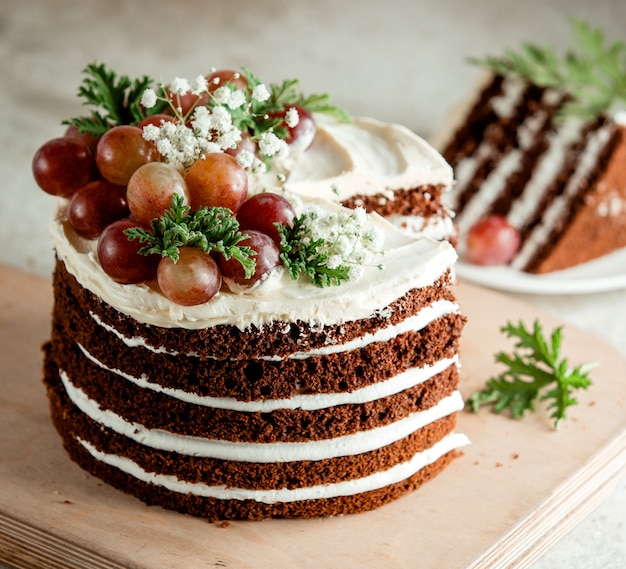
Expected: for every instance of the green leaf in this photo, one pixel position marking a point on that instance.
(209, 228)
(536, 371)
(116, 100)
(593, 74)
(303, 254)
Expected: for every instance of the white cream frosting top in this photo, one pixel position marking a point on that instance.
(409, 263)
(361, 157)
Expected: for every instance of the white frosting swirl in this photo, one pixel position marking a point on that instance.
(360, 157)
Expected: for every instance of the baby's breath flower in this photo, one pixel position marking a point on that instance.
(149, 98)
(271, 145)
(237, 99)
(356, 272)
(245, 158)
(260, 93)
(221, 118)
(334, 261)
(360, 215)
(221, 95)
(330, 247)
(292, 118)
(151, 132)
(199, 85)
(179, 86)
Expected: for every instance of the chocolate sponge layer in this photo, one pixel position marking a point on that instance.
(227, 362)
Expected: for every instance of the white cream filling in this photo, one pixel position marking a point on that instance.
(414, 323)
(307, 402)
(489, 190)
(357, 443)
(374, 481)
(435, 227)
(546, 170)
(558, 208)
(513, 88)
(496, 181)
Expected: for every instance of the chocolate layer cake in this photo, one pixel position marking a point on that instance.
(561, 183)
(300, 402)
(230, 341)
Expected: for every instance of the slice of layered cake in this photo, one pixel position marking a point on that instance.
(542, 147)
(233, 354)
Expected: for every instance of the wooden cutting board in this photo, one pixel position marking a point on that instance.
(518, 488)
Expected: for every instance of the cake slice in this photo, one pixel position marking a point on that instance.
(542, 147)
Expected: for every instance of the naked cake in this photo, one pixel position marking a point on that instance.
(281, 356)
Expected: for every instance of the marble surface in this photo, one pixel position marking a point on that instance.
(398, 60)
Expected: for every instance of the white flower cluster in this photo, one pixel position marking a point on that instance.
(350, 239)
(207, 128)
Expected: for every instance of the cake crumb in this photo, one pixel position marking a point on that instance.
(224, 524)
(515, 455)
(499, 465)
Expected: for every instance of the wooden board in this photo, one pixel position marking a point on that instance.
(517, 489)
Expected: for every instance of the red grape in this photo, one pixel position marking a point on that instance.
(261, 211)
(303, 132)
(226, 77)
(62, 165)
(492, 241)
(156, 120)
(150, 190)
(217, 181)
(96, 205)
(119, 258)
(267, 258)
(121, 150)
(247, 143)
(89, 139)
(194, 279)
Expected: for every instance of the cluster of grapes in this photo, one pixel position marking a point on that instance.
(119, 181)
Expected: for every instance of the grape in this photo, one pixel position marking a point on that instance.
(217, 181)
(119, 258)
(156, 120)
(96, 205)
(246, 143)
(194, 279)
(302, 133)
(88, 138)
(150, 190)
(121, 150)
(226, 77)
(492, 241)
(267, 258)
(62, 165)
(261, 211)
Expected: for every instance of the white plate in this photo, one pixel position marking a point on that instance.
(601, 275)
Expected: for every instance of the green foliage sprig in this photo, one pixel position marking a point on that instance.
(304, 255)
(210, 228)
(260, 117)
(115, 100)
(537, 372)
(593, 75)
(329, 248)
